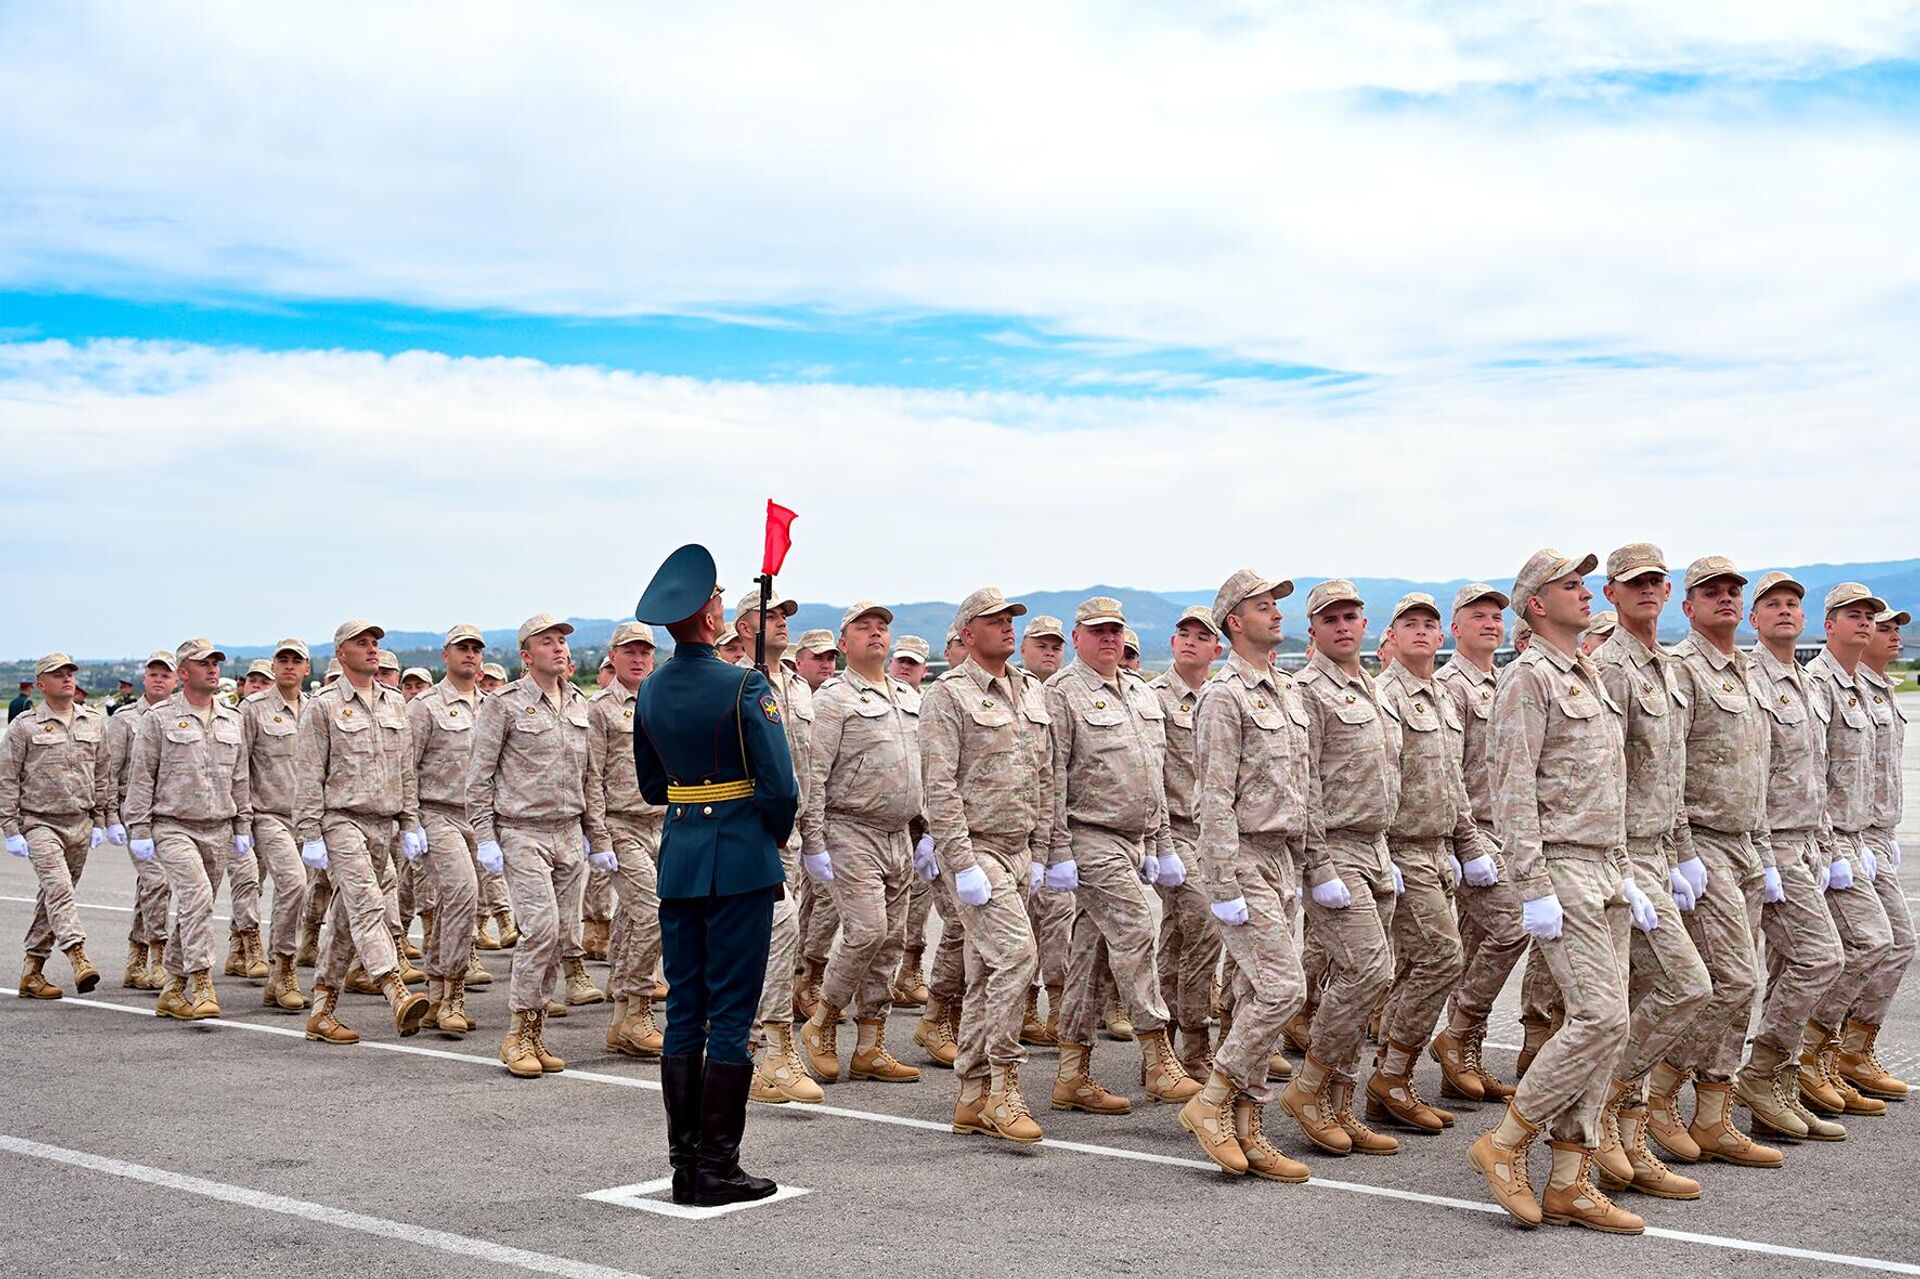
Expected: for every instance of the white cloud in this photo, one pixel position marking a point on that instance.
(246, 495)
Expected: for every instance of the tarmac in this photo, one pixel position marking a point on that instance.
(135, 1146)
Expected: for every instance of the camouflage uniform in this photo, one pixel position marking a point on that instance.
(1890, 736)
(441, 721)
(270, 728)
(1189, 939)
(150, 896)
(56, 787)
(796, 717)
(618, 818)
(1051, 914)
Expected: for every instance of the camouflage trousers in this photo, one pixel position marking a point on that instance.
(1491, 944)
(597, 904)
(1725, 927)
(279, 857)
(448, 865)
(1426, 941)
(1667, 982)
(195, 856)
(357, 911)
(1566, 1085)
(243, 892)
(1190, 943)
(417, 890)
(546, 871)
(1358, 959)
(150, 903)
(633, 943)
(819, 920)
(1265, 984)
(493, 890)
(1804, 958)
(1110, 905)
(872, 878)
(919, 906)
(1866, 935)
(1876, 997)
(57, 847)
(1051, 916)
(783, 950)
(948, 980)
(1000, 961)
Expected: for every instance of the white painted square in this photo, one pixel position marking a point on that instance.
(650, 1196)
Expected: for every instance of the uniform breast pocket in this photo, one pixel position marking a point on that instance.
(1733, 703)
(88, 732)
(189, 736)
(1355, 712)
(534, 734)
(354, 732)
(226, 741)
(451, 719)
(1652, 699)
(276, 736)
(1785, 710)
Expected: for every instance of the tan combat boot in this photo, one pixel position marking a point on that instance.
(85, 975)
(200, 995)
(236, 957)
(1392, 1096)
(820, 1034)
(173, 1000)
(1664, 1125)
(1196, 1052)
(1573, 1200)
(1786, 1087)
(1852, 1100)
(1753, 1087)
(509, 935)
(136, 966)
(1610, 1156)
(451, 1016)
(253, 953)
(476, 975)
(1056, 995)
(1209, 1116)
(1858, 1062)
(1650, 1176)
(1534, 1034)
(1457, 1076)
(551, 1063)
(806, 989)
(1278, 1067)
(1365, 1140)
(1297, 1033)
(1500, 1155)
(1115, 1022)
(517, 1050)
(659, 991)
(426, 930)
(935, 1032)
(593, 939)
(555, 1010)
(871, 1060)
(409, 974)
(409, 1007)
(434, 985)
(1074, 1089)
(909, 986)
(307, 953)
(1307, 1101)
(614, 1039)
(404, 945)
(580, 988)
(156, 975)
(783, 1069)
(1816, 1088)
(323, 1024)
(1032, 1029)
(1263, 1160)
(1161, 1073)
(358, 983)
(636, 1034)
(1006, 1110)
(1713, 1131)
(283, 987)
(482, 939)
(1496, 1088)
(970, 1110)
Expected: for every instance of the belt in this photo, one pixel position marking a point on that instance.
(711, 792)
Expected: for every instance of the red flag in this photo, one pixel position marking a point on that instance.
(779, 537)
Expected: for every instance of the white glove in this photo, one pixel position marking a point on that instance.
(604, 860)
(586, 845)
(413, 844)
(1893, 853)
(142, 850)
(1640, 906)
(1036, 878)
(972, 886)
(1839, 874)
(819, 867)
(314, 853)
(1542, 917)
(1774, 890)
(1867, 863)
(1695, 871)
(17, 845)
(1683, 894)
(1233, 913)
(117, 835)
(98, 837)
(1399, 880)
(924, 861)
(1063, 877)
(1457, 872)
(1334, 894)
(1481, 871)
(243, 845)
(1149, 868)
(491, 859)
(1173, 871)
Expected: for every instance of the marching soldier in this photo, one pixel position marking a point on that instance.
(909, 665)
(270, 730)
(147, 938)
(1050, 914)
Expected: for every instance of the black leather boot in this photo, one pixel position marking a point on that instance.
(723, 1120)
(680, 1085)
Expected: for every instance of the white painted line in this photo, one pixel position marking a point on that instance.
(438, 1240)
(809, 1113)
(118, 910)
(642, 1194)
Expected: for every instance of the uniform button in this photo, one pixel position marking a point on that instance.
(707, 811)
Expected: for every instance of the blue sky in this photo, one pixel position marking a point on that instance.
(429, 320)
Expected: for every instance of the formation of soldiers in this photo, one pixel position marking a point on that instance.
(1337, 857)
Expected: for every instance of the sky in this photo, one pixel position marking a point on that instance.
(437, 312)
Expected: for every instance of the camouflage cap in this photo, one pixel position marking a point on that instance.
(632, 633)
(1708, 567)
(54, 662)
(334, 668)
(1199, 614)
(1045, 624)
(913, 648)
(1522, 629)
(1098, 611)
(985, 602)
(420, 673)
(1547, 565)
(1892, 616)
(861, 608)
(1604, 622)
(298, 646)
(1130, 639)
(1854, 593)
(358, 626)
(1412, 600)
(728, 634)
(260, 666)
(1635, 559)
(540, 623)
(776, 603)
(493, 669)
(201, 649)
(389, 660)
(1335, 590)
(1473, 592)
(606, 663)
(1242, 586)
(464, 631)
(1776, 580)
(163, 657)
(953, 636)
(818, 640)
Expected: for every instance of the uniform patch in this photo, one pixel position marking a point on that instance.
(770, 708)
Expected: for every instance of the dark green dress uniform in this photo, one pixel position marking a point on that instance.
(708, 744)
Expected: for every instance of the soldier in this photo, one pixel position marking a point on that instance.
(1726, 781)
(189, 806)
(246, 957)
(909, 665)
(389, 672)
(733, 647)
(493, 677)
(1491, 938)
(621, 822)
(720, 870)
(1189, 940)
(441, 723)
(1049, 914)
(1130, 650)
(259, 678)
(988, 778)
(147, 938)
(1559, 757)
(355, 781)
(56, 801)
(1843, 700)
(939, 1028)
(414, 681)
(1353, 744)
(1433, 832)
(813, 657)
(863, 794)
(526, 798)
(1803, 950)
(1598, 631)
(1858, 1060)
(270, 729)
(1110, 837)
(1667, 980)
(1251, 795)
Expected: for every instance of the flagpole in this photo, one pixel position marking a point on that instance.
(760, 631)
